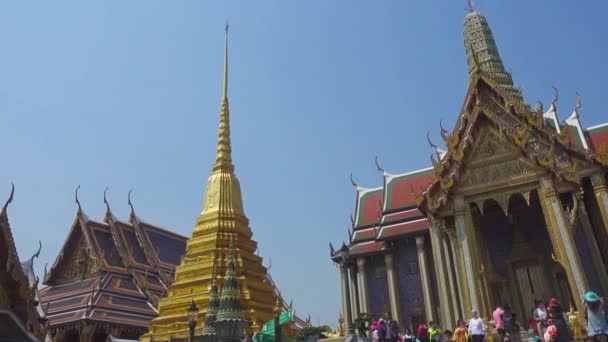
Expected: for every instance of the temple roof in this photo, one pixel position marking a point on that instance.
(112, 271)
(18, 282)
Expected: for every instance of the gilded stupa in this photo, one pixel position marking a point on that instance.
(221, 220)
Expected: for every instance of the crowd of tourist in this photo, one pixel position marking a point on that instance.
(548, 323)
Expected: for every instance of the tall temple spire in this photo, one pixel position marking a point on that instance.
(213, 306)
(223, 159)
(223, 194)
(483, 54)
(222, 222)
(230, 299)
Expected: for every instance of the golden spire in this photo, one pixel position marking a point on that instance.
(223, 158)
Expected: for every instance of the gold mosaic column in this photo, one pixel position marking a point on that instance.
(456, 249)
(346, 313)
(466, 263)
(362, 279)
(425, 278)
(596, 256)
(601, 194)
(393, 290)
(452, 291)
(442, 283)
(563, 243)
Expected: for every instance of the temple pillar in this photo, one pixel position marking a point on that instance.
(425, 278)
(346, 313)
(456, 250)
(86, 332)
(598, 181)
(354, 292)
(453, 291)
(467, 269)
(393, 290)
(594, 249)
(362, 280)
(562, 241)
(440, 273)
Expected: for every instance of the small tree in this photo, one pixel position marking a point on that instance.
(309, 332)
(362, 323)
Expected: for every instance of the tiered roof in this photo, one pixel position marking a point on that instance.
(18, 283)
(111, 272)
(392, 210)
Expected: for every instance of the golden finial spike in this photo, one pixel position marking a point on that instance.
(223, 159)
(225, 95)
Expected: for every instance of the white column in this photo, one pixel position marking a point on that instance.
(457, 257)
(425, 278)
(453, 291)
(354, 292)
(346, 313)
(362, 279)
(393, 290)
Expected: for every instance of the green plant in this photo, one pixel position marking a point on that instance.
(362, 323)
(309, 331)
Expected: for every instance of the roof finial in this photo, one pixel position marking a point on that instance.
(76, 198)
(444, 132)
(37, 254)
(10, 198)
(352, 181)
(225, 95)
(555, 97)
(129, 200)
(471, 5)
(433, 146)
(380, 169)
(105, 199)
(223, 158)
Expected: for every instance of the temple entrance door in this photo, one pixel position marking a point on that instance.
(530, 285)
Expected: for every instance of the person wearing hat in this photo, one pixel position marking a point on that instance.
(596, 318)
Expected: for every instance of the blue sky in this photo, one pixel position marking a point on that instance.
(125, 94)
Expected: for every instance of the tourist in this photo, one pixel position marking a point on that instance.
(382, 330)
(423, 333)
(446, 336)
(434, 332)
(460, 333)
(409, 337)
(540, 317)
(375, 332)
(498, 322)
(550, 334)
(511, 325)
(596, 317)
(555, 316)
(477, 329)
(392, 329)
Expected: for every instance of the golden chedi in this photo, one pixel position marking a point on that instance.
(221, 220)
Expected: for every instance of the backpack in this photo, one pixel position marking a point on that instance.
(508, 320)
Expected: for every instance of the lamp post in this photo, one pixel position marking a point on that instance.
(192, 316)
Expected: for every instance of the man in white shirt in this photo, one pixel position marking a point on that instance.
(477, 329)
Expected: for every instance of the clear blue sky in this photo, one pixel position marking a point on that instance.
(126, 94)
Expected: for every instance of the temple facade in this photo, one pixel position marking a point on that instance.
(21, 315)
(515, 209)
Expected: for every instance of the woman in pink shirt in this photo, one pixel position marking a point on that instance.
(498, 322)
